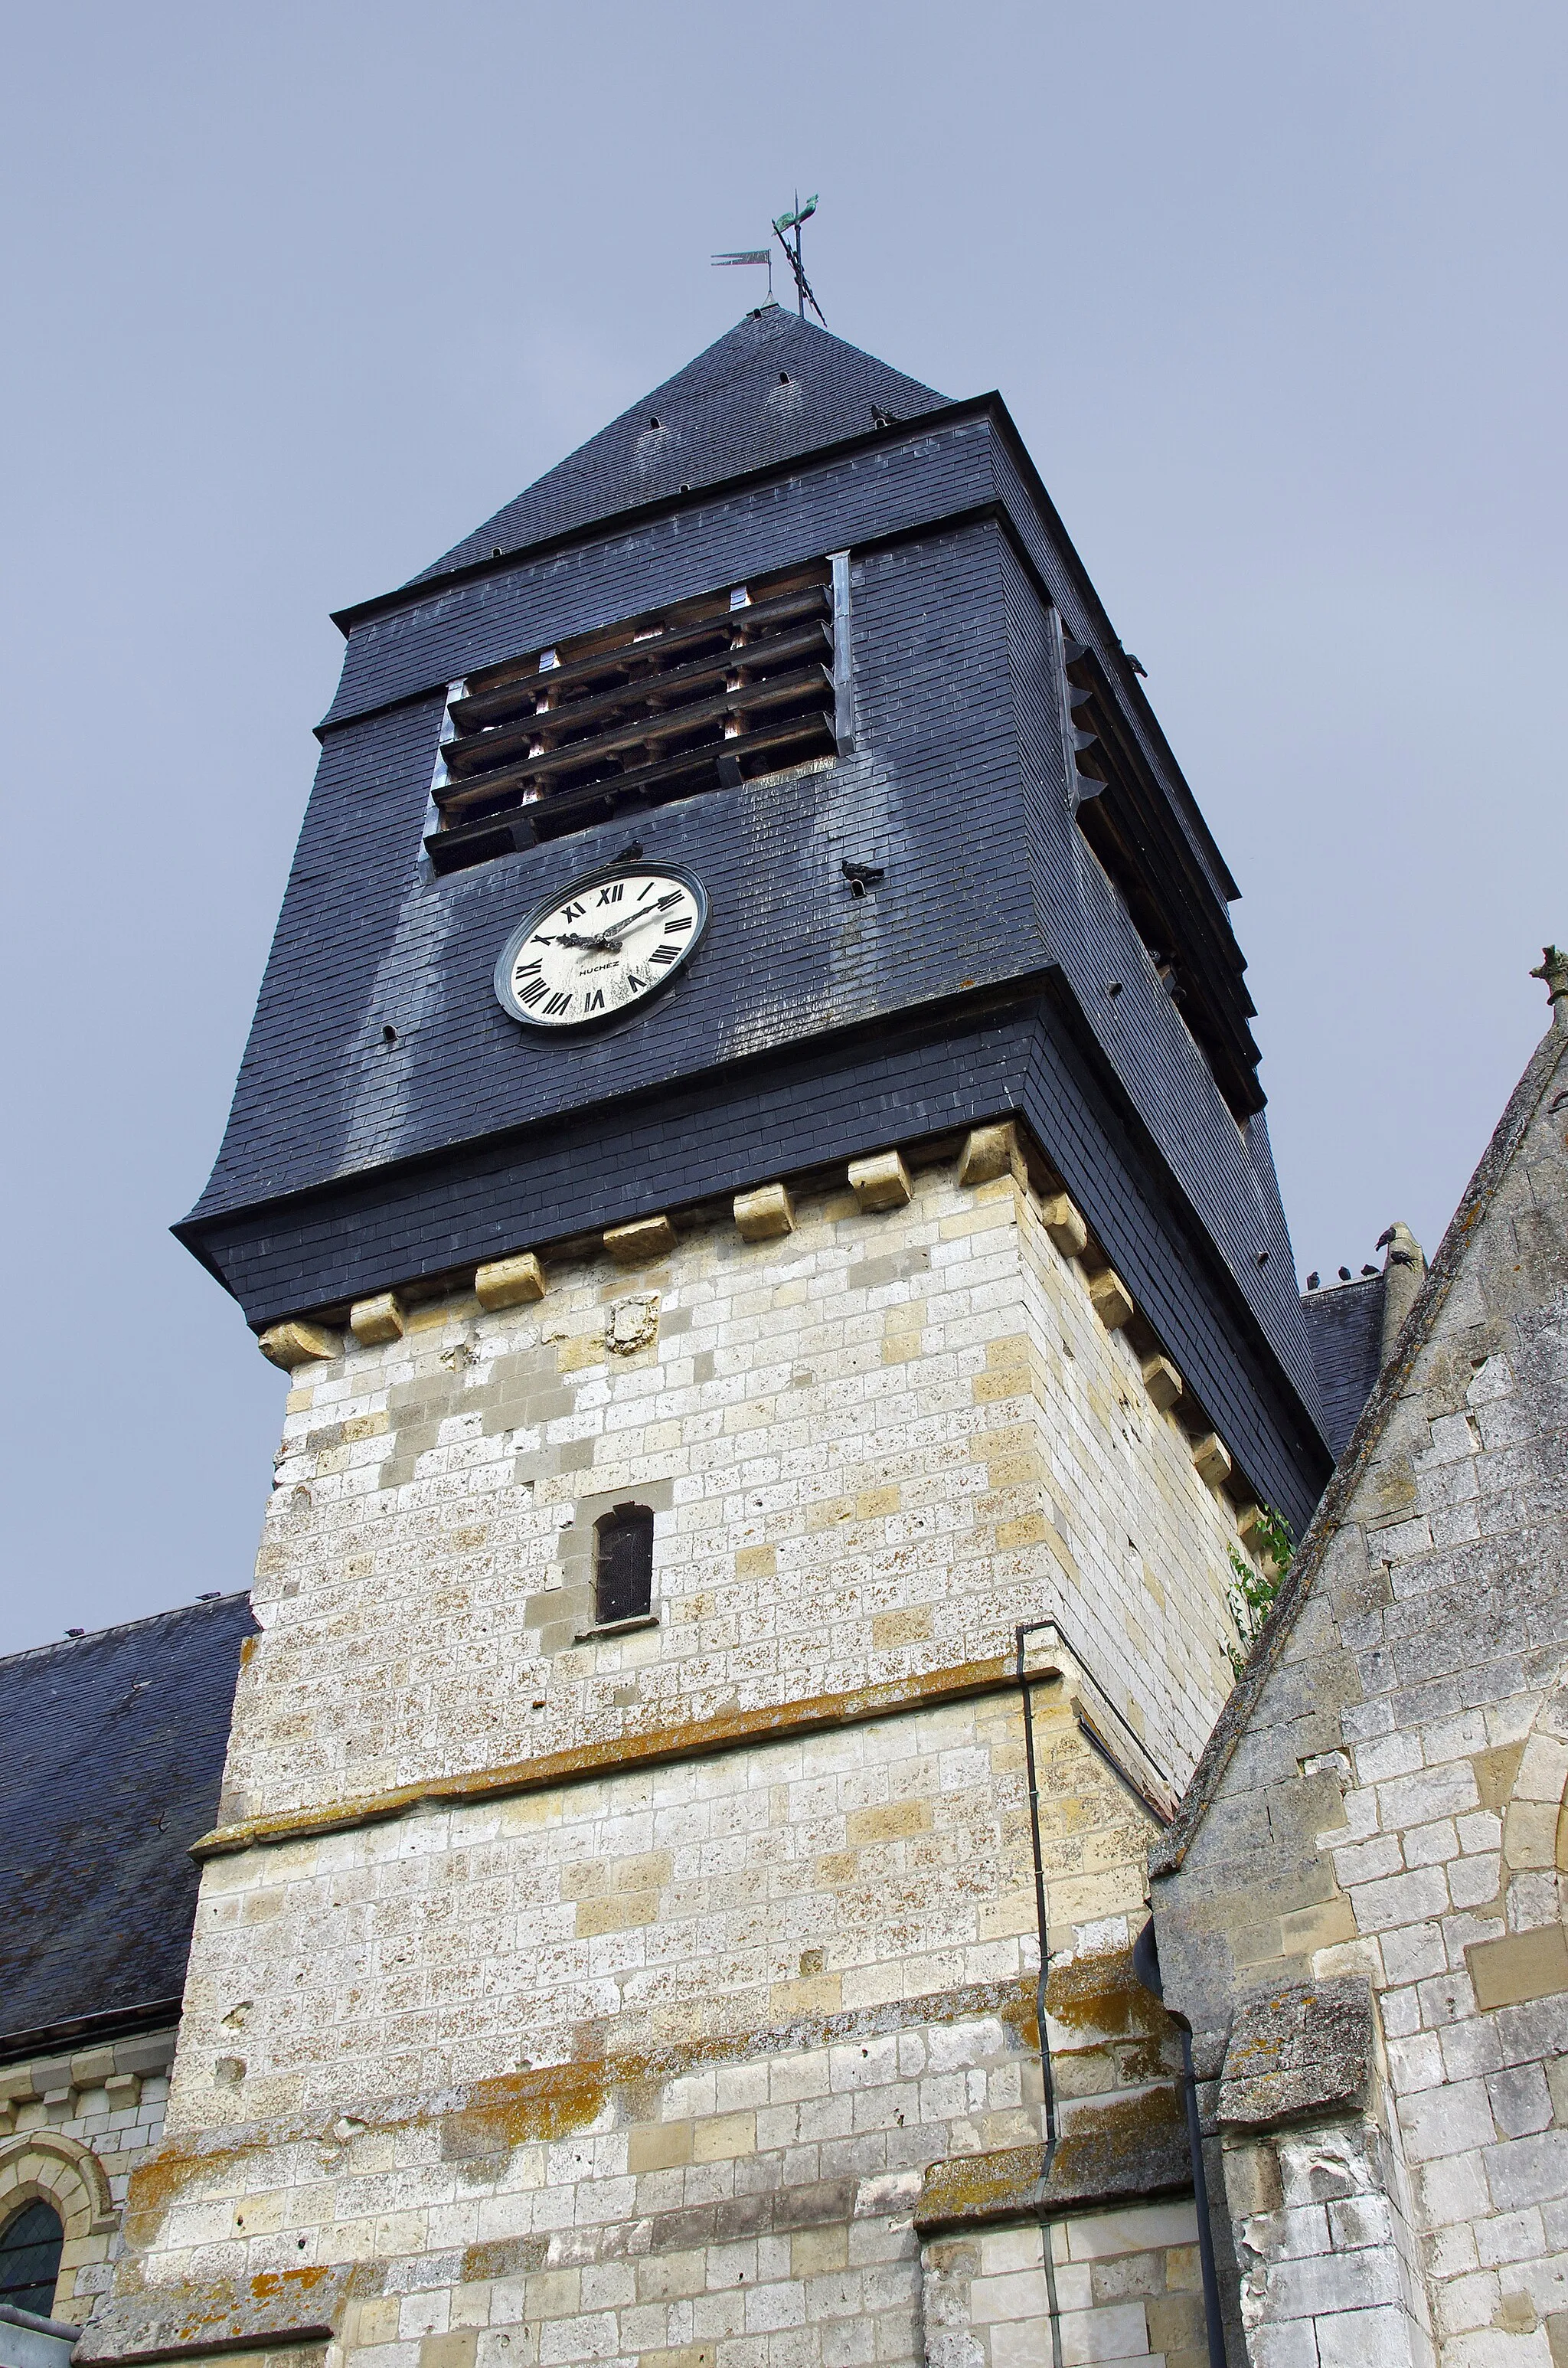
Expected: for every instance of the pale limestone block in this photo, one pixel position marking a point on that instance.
(1211, 1459)
(987, 1154)
(375, 1321)
(297, 1343)
(509, 1282)
(880, 1181)
(1163, 1381)
(645, 1239)
(765, 1213)
(1065, 1226)
(1111, 1300)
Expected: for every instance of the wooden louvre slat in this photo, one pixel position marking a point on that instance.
(670, 704)
(483, 749)
(647, 732)
(485, 704)
(795, 739)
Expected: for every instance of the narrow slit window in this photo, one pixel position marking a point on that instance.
(30, 2260)
(623, 1564)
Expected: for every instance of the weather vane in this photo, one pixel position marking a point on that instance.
(751, 255)
(781, 228)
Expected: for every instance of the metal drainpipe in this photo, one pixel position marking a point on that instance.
(1027, 1627)
(1146, 1965)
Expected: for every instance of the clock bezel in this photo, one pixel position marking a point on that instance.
(601, 1024)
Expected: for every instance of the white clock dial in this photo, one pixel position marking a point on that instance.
(601, 947)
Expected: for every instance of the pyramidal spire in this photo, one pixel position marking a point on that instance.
(770, 389)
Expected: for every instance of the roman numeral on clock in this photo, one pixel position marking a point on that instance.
(557, 1004)
(665, 954)
(613, 894)
(673, 928)
(535, 993)
(594, 999)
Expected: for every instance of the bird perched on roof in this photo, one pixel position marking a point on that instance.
(881, 418)
(1369, 1269)
(1344, 1274)
(1313, 1281)
(1384, 1239)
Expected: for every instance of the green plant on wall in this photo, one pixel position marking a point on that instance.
(1255, 1584)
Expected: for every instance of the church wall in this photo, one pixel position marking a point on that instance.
(73, 2128)
(1393, 1815)
(1127, 2286)
(888, 1437)
(631, 2024)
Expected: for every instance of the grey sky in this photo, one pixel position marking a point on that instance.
(297, 295)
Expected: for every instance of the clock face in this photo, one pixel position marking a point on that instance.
(600, 948)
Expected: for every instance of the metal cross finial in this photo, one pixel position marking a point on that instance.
(792, 223)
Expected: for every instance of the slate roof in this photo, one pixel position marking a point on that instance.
(382, 1083)
(726, 413)
(1344, 1329)
(113, 1755)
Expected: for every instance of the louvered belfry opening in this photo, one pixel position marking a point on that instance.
(623, 1564)
(700, 695)
(1127, 819)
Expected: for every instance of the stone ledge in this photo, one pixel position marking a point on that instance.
(276, 2308)
(1298, 2052)
(616, 1754)
(1115, 2154)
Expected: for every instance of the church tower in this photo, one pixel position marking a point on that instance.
(750, 1151)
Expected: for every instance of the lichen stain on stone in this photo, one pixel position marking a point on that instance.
(518, 2107)
(980, 2185)
(1103, 1995)
(269, 2285)
(1122, 2124)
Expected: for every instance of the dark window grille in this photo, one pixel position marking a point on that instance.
(697, 697)
(623, 1564)
(30, 2260)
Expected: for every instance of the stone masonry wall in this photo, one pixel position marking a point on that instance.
(1392, 1807)
(559, 1997)
(884, 1438)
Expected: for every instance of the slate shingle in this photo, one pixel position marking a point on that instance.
(725, 414)
(113, 1758)
(1345, 1328)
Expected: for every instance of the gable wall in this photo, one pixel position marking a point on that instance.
(1392, 1807)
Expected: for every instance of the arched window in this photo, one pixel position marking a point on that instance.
(623, 1564)
(29, 2258)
